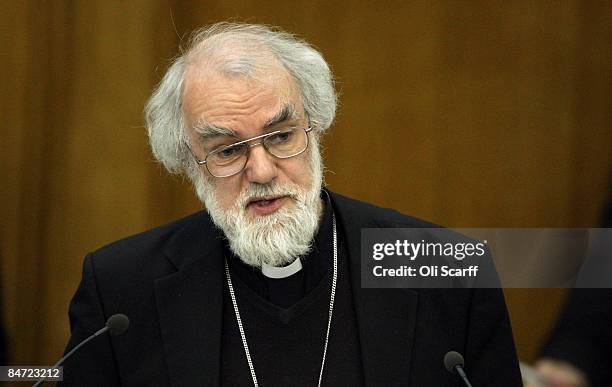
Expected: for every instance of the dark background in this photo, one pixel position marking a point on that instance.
(466, 113)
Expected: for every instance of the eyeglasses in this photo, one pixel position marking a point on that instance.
(231, 159)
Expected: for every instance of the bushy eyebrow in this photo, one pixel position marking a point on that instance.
(207, 131)
(285, 114)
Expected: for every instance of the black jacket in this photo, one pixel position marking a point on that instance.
(169, 282)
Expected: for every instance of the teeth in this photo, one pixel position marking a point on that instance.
(264, 202)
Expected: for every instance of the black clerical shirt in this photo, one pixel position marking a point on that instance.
(284, 292)
(285, 321)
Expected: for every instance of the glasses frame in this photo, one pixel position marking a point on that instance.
(263, 137)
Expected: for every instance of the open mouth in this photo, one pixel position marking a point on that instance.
(266, 204)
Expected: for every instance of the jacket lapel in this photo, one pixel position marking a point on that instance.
(190, 305)
(386, 318)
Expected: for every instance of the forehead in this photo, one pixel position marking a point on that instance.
(236, 101)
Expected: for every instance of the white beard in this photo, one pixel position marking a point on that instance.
(276, 239)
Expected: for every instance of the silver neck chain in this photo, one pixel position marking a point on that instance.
(329, 320)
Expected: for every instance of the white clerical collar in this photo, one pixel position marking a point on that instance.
(281, 272)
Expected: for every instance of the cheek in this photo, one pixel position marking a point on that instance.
(228, 190)
(300, 172)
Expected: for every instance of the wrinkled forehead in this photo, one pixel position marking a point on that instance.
(202, 87)
(231, 73)
(207, 91)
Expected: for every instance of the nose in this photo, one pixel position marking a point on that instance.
(261, 166)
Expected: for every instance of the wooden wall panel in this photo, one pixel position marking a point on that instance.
(467, 114)
(12, 176)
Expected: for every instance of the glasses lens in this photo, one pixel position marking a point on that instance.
(287, 143)
(227, 161)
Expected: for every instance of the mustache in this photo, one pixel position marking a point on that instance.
(256, 190)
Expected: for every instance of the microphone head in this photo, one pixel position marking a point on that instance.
(453, 359)
(117, 324)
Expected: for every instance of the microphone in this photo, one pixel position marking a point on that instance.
(453, 361)
(115, 325)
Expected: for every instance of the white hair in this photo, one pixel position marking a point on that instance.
(235, 49)
(278, 238)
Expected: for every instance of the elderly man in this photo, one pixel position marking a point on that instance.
(264, 286)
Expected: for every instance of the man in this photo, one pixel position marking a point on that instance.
(264, 287)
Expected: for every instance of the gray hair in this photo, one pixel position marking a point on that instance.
(163, 112)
